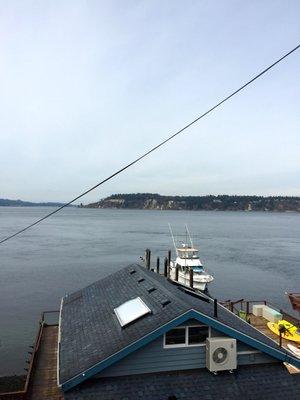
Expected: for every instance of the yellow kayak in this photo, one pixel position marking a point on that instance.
(291, 331)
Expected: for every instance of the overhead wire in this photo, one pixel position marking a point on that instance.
(153, 148)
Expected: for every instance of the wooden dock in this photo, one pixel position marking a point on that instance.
(260, 323)
(43, 385)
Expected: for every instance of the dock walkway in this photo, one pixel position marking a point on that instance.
(260, 323)
(43, 385)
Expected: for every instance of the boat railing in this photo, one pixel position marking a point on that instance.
(247, 306)
(48, 318)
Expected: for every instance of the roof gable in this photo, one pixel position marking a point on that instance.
(95, 340)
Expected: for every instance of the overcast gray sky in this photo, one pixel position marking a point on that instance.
(86, 86)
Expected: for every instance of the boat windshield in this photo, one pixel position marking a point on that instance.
(188, 254)
(198, 269)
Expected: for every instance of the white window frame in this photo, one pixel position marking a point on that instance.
(186, 343)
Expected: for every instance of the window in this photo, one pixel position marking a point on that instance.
(197, 334)
(186, 336)
(188, 254)
(181, 254)
(175, 337)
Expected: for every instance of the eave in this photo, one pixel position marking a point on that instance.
(280, 355)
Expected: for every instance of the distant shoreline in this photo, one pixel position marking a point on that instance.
(154, 201)
(21, 203)
(154, 209)
(157, 209)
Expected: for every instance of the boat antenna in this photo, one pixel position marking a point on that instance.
(170, 228)
(186, 235)
(190, 237)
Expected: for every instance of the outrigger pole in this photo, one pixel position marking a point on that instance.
(190, 237)
(170, 228)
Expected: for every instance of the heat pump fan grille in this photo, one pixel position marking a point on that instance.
(220, 355)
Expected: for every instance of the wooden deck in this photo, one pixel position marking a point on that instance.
(43, 385)
(260, 323)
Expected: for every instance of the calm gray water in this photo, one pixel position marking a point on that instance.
(251, 255)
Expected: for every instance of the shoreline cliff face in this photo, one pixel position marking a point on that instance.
(153, 201)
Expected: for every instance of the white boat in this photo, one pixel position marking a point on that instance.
(187, 258)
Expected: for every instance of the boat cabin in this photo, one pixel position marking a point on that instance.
(186, 252)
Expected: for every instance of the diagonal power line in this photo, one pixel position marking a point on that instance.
(155, 147)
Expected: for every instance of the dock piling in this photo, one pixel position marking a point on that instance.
(148, 258)
(169, 257)
(247, 308)
(157, 265)
(166, 267)
(281, 329)
(176, 273)
(191, 278)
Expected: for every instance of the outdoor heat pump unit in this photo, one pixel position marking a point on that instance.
(221, 354)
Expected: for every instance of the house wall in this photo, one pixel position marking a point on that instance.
(155, 358)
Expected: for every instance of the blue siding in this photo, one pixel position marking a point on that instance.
(256, 358)
(215, 333)
(154, 358)
(191, 322)
(240, 346)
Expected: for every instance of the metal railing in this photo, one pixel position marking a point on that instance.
(246, 306)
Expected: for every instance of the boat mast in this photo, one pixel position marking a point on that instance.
(170, 228)
(188, 232)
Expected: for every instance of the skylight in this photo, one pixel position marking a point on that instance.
(131, 310)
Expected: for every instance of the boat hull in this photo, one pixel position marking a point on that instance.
(200, 281)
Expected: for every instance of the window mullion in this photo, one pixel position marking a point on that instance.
(186, 335)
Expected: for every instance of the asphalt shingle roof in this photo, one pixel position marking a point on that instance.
(255, 382)
(90, 331)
